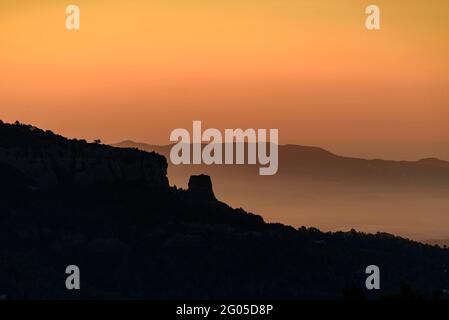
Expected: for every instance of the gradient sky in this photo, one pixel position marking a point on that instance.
(139, 69)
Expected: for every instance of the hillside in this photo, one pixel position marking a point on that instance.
(134, 236)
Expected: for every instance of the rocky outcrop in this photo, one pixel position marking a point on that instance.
(200, 186)
(49, 160)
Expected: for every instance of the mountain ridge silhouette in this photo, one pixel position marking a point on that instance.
(144, 239)
(128, 143)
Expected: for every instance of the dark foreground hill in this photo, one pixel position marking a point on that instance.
(112, 213)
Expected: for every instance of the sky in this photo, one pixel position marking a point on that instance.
(139, 69)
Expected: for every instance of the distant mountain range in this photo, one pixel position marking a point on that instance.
(316, 187)
(113, 213)
(297, 161)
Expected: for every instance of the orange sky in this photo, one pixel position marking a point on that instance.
(139, 69)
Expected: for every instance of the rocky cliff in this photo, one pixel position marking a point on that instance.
(48, 160)
(134, 237)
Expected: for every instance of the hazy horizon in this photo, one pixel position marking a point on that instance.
(137, 70)
(360, 155)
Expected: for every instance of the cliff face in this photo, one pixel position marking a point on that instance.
(48, 160)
